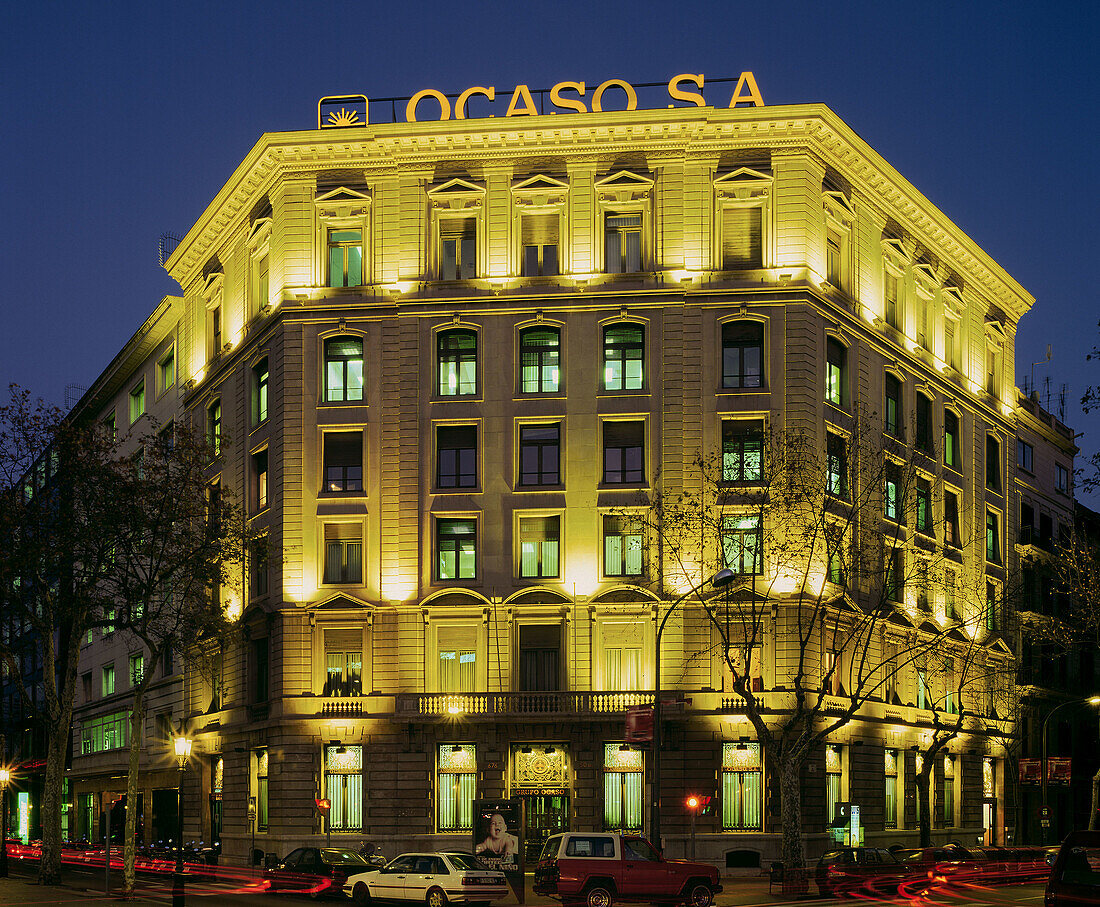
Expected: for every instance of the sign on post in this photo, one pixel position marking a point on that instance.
(639, 724)
(498, 839)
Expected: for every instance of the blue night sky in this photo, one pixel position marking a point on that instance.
(122, 120)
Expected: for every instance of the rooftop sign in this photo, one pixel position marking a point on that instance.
(684, 90)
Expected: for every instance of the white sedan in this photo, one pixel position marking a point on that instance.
(434, 879)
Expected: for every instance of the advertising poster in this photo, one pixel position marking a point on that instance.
(498, 839)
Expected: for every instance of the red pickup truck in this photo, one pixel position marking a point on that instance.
(597, 869)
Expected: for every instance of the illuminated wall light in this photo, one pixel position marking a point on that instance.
(233, 607)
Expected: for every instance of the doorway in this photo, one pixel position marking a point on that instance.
(989, 823)
(544, 815)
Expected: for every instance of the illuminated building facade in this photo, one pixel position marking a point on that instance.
(444, 356)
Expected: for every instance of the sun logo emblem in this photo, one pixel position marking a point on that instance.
(343, 117)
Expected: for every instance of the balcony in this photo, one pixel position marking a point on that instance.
(555, 705)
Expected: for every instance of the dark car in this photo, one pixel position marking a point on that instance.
(847, 868)
(1075, 878)
(316, 871)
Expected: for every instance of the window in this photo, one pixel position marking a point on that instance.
(260, 761)
(623, 351)
(456, 549)
(344, 787)
(952, 453)
(893, 299)
(214, 427)
(540, 360)
(992, 537)
(214, 330)
(923, 590)
(951, 333)
(623, 242)
(457, 361)
(457, 646)
(137, 669)
(107, 732)
(992, 463)
(742, 450)
(894, 578)
(539, 454)
(458, 248)
(257, 567)
(343, 461)
(836, 466)
(834, 263)
(1024, 455)
(993, 370)
(539, 238)
(950, 586)
(952, 530)
(86, 686)
(1061, 478)
(259, 480)
(259, 392)
(748, 663)
(948, 791)
(107, 683)
(893, 407)
(260, 662)
(992, 624)
(539, 546)
(343, 369)
(456, 456)
(166, 371)
(835, 571)
(343, 553)
(622, 788)
(836, 373)
(343, 662)
(260, 283)
(110, 427)
(742, 788)
(622, 546)
(924, 506)
(623, 452)
(924, 337)
(891, 788)
(742, 354)
(833, 779)
(742, 237)
(891, 494)
(924, 424)
(137, 402)
(923, 699)
(345, 257)
(742, 544)
(622, 664)
(456, 786)
(539, 657)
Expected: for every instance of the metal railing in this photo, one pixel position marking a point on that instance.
(540, 703)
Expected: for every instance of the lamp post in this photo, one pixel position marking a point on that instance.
(1091, 700)
(182, 745)
(692, 804)
(5, 777)
(721, 579)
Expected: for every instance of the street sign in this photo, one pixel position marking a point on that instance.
(1045, 823)
(1044, 812)
(323, 806)
(639, 724)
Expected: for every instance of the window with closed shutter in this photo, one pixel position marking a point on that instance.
(539, 239)
(741, 239)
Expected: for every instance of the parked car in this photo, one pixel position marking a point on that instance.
(598, 869)
(434, 879)
(315, 871)
(1075, 879)
(852, 867)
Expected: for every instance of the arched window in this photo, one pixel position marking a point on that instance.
(539, 360)
(623, 355)
(457, 363)
(343, 369)
(742, 354)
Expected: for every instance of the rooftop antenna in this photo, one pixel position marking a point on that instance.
(1050, 350)
(1046, 392)
(1062, 404)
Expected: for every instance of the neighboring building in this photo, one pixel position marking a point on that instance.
(442, 356)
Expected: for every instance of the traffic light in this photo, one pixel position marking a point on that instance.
(698, 803)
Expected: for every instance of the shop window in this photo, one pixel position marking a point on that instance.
(345, 257)
(623, 242)
(458, 248)
(456, 456)
(742, 354)
(456, 355)
(343, 553)
(836, 464)
(834, 778)
(539, 657)
(344, 787)
(952, 452)
(623, 354)
(456, 549)
(836, 373)
(260, 761)
(924, 506)
(742, 450)
(924, 424)
(137, 402)
(623, 452)
(992, 463)
(539, 454)
(622, 546)
(343, 461)
(893, 407)
(259, 480)
(540, 360)
(742, 239)
(891, 788)
(260, 379)
(456, 787)
(343, 369)
(742, 787)
(623, 773)
(539, 546)
(742, 544)
(539, 239)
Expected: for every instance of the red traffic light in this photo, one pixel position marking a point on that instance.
(692, 802)
(697, 802)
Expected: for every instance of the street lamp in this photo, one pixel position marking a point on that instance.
(182, 745)
(722, 578)
(1091, 700)
(5, 777)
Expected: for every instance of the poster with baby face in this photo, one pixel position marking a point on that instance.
(498, 838)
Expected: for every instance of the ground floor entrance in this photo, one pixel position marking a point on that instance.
(545, 814)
